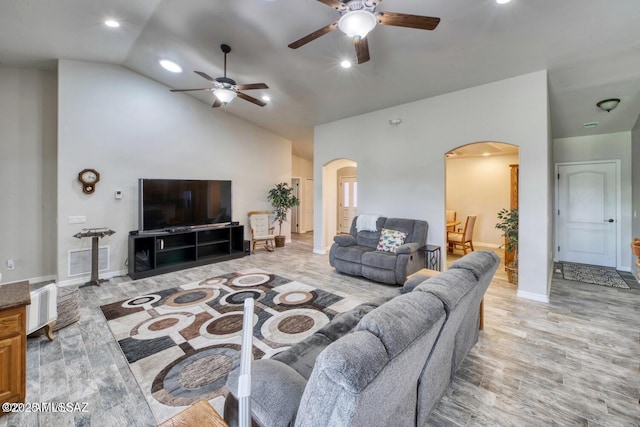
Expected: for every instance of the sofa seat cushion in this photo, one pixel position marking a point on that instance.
(352, 253)
(380, 259)
(302, 356)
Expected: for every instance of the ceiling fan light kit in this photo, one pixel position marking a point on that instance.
(226, 89)
(608, 104)
(359, 17)
(225, 95)
(357, 23)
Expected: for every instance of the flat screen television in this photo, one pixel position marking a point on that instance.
(175, 203)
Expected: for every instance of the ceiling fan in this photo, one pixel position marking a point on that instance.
(226, 89)
(358, 17)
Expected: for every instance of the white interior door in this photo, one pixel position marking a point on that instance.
(587, 213)
(308, 204)
(348, 204)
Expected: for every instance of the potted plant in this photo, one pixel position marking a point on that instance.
(282, 199)
(509, 226)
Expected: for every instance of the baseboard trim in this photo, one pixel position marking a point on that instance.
(84, 279)
(533, 297)
(320, 251)
(42, 279)
(486, 245)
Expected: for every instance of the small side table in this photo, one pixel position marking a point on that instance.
(432, 257)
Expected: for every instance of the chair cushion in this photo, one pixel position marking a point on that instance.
(390, 240)
(43, 308)
(269, 236)
(454, 237)
(259, 224)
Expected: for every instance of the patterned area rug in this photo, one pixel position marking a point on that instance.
(593, 274)
(181, 343)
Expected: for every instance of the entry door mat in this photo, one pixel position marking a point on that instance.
(593, 274)
(181, 343)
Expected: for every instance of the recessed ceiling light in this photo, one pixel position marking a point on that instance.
(111, 23)
(486, 154)
(502, 1)
(170, 66)
(266, 98)
(345, 64)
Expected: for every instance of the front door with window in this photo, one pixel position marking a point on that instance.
(587, 213)
(348, 204)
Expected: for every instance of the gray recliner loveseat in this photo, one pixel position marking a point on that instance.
(356, 253)
(386, 364)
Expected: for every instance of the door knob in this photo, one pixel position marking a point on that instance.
(608, 220)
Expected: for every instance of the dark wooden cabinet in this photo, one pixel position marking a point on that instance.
(158, 253)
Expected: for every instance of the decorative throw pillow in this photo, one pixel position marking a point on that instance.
(390, 240)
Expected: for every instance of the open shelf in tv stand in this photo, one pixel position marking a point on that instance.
(153, 253)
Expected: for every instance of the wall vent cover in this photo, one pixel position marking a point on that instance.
(80, 261)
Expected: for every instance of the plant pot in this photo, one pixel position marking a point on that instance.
(280, 241)
(512, 274)
(635, 247)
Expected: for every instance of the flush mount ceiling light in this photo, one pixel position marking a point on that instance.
(266, 98)
(170, 66)
(357, 23)
(608, 104)
(225, 95)
(111, 23)
(345, 64)
(502, 1)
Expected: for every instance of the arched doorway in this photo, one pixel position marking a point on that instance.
(479, 181)
(330, 203)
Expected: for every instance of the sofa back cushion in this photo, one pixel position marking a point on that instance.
(370, 377)
(416, 229)
(367, 238)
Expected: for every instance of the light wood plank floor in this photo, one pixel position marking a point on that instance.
(574, 361)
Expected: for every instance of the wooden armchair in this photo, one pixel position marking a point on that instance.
(261, 232)
(464, 237)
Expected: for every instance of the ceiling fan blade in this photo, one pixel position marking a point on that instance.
(252, 86)
(251, 99)
(310, 37)
(408, 21)
(189, 90)
(216, 102)
(336, 4)
(205, 75)
(362, 50)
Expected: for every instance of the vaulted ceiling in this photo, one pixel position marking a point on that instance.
(590, 47)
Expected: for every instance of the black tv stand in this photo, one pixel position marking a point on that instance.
(166, 251)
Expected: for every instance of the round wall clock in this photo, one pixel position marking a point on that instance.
(89, 178)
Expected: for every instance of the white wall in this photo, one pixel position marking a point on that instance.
(401, 169)
(128, 127)
(481, 186)
(611, 146)
(27, 173)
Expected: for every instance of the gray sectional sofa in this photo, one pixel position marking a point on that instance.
(379, 364)
(355, 253)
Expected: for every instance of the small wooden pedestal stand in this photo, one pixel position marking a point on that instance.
(95, 234)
